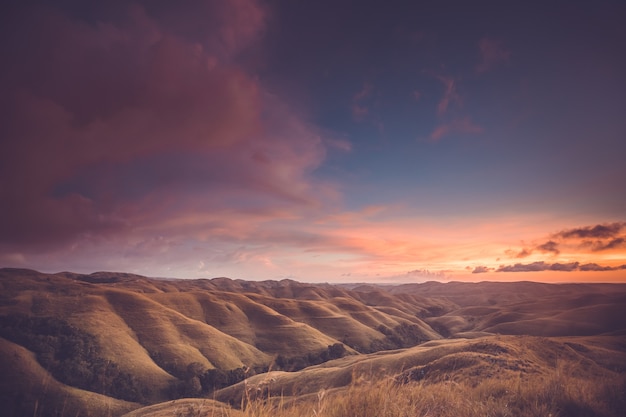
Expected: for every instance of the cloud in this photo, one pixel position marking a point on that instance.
(602, 237)
(532, 267)
(597, 238)
(340, 144)
(462, 126)
(565, 267)
(481, 270)
(450, 95)
(599, 231)
(524, 253)
(549, 246)
(568, 267)
(426, 273)
(492, 54)
(359, 112)
(453, 123)
(363, 93)
(359, 109)
(417, 275)
(596, 267)
(140, 122)
(616, 243)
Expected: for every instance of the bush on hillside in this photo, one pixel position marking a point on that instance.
(70, 355)
(402, 336)
(296, 363)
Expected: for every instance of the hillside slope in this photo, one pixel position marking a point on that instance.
(122, 339)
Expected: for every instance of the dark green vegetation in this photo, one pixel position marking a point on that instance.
(108, 343)
(70, 355)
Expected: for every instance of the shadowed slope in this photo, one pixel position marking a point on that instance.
(175, 341)
(26, 389)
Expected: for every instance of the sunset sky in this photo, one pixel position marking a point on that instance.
(321, 141)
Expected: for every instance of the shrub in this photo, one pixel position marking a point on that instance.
(70, 355)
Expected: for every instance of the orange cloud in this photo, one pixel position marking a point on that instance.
(589, 248)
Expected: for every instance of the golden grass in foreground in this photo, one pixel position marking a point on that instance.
(557, 395)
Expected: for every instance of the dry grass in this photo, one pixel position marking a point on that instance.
(187, 407)
(154, 329)
(556, 395)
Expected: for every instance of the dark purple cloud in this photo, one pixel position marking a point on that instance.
(618, 242)
(596, 267)
(607, 237)
(565, 267)
(600, 231)
(568, 267)
(518, 267)
(598, 238)
(481, 270)
(549, 246)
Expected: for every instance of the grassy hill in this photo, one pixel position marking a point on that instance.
(111, 343)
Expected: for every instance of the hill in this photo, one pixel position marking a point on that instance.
(118, 341)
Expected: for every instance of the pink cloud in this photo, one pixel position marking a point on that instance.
(492, 54)
(450, 95)
(242, 21)
(340, 144)
(116, 126)
(360, 110)
(363, 93)
(462, 126)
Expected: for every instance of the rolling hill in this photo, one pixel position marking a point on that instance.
(110, 343)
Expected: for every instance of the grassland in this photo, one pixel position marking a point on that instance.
(112, 344)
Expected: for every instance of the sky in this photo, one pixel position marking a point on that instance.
(320, 141)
